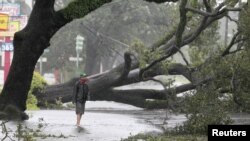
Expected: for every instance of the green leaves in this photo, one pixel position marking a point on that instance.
(244, 24)
(161, 1)
(38, 84)
(80, 8)
(204, 107)
(145, 55)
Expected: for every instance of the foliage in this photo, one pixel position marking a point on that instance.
(240, 82)
(227, 92)
(244, 24)
(207, 42)
(196, 56)
(25, 133)
(209, 105)
(166, 137)
(205, 46)
(80, 8)
(204, 108)
(37, 85)
(157, 104)
(58, 105)
(147, 55)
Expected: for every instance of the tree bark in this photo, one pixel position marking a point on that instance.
(28, 46)
(101, 85)
(97, 83)
(136, 97)
(30, 43)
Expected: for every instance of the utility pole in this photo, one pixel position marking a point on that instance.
(226, 32)
(41, 60)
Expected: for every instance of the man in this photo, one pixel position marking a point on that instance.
(80, 96)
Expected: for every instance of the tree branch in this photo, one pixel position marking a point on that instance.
(178, 35)
(231, 19)
(161, 1)
(182, 23)
(203, 13)
(183, 57)
(173, 69)
(97, 83)
(226, 51)
(207, 5)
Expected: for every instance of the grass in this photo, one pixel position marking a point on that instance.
(166, 137)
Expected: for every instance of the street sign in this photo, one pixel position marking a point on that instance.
(14, 26)
(46, 50)
(4, 20)
(22, 19)
(12, 9)
(79, 42)
(6, 47)
(43, 59)
(7, 34)
(79, 38)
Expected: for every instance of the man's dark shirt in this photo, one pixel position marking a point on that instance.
(80, 93)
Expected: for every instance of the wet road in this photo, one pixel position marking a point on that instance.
(105, 121)
(101, 122)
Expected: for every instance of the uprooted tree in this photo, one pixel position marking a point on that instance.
(102, 85)
(44, 22)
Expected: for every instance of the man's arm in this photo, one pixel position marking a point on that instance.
(74, 94)
(87, 92)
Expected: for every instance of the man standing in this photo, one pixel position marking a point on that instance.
(80, 96)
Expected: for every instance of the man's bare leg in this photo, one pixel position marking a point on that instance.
(78, 119)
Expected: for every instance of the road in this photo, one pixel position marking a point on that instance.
(103, 121)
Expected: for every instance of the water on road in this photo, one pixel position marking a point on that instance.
(99, 124)
(104, 121)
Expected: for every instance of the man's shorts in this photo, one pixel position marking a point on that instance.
(80, 107)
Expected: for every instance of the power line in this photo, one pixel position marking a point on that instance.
(100, 36)
(97, 34)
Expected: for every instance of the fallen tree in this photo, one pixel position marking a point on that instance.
(102, 85)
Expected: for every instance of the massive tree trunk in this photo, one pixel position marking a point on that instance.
(97, 83)
(101, 85)
(29, 44)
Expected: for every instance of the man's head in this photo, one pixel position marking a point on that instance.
(83, 78)
(82, 75)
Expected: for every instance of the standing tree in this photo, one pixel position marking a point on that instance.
(30, 43)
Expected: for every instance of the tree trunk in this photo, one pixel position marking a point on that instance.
(97, 83)
(101, 86)
(29, 44)
(18, 82)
